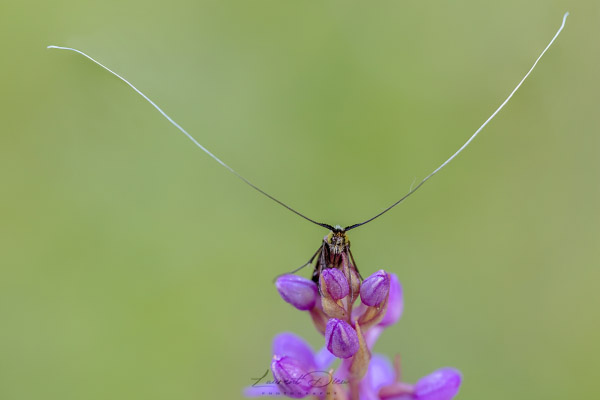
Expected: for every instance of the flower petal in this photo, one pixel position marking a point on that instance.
(300, 292)
(395, 302)
(380, 373)
(397, 391)
(324, 359)
(293, 346)
(442, 384)
(291, 377)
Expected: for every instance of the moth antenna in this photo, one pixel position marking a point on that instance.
(471, 138)
(204, 149)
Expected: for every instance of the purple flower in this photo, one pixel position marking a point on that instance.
(350, 333)
(393, 312)
(395, 302)
(442, 384)
(291, 376)
(379, 374)
(341, 338)
(295, 367)
(298, 291)
(375, 289)
(380, 383)
(336, 283)
(288, 344)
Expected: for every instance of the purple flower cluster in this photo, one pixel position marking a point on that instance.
(350, 333)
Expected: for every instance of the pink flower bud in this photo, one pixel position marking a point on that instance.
(375, 289)
(298, 291)
(341, 338)
(336, 282)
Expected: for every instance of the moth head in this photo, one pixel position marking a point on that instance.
(337, 240)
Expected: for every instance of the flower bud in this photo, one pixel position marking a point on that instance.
(341, 339)
(443, 384)
(298, 291)
(375, 289)
(336, 283)
(291, 377)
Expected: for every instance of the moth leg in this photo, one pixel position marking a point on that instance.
(350, 280)
(354, 263)
(310, 261)
(319, 267)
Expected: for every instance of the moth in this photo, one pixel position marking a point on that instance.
(334, 250)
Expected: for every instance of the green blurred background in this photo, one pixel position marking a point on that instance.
(135, 267)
